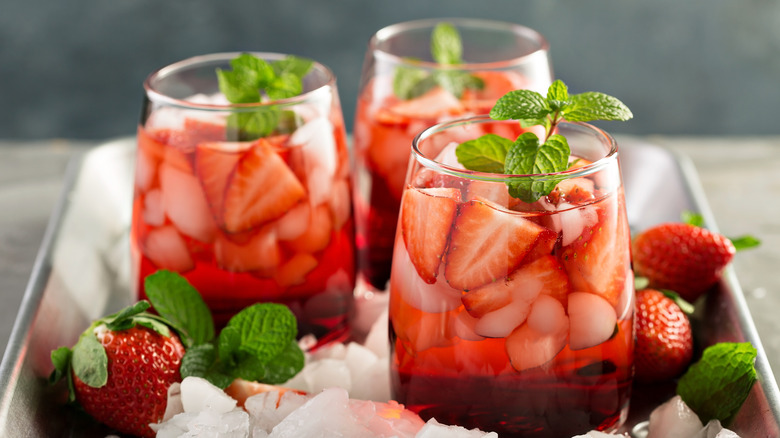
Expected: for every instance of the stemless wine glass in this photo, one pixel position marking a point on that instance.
(513, 315)
(246, 219)
(498, 56)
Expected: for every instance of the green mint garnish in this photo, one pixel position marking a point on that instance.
(447, 50)
(529, 155)
(253, 80)
(740, 243)
(181, 305)
(257, 344)
(716, 386)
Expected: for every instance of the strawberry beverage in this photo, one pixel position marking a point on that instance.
(417, 74)
(513, 315)
(245, 189)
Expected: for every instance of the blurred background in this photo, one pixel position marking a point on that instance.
(703, 67)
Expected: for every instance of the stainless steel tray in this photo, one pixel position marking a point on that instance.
(82, 273)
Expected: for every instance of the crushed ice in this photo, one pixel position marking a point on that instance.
(347, 389)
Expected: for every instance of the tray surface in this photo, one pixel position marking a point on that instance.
(82, 272)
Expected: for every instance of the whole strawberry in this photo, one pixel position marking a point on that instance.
(664, 342)
(682, 257)
(121, 367)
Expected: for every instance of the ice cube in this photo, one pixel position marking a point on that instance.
(325, 415)
(674, 419)
(434, 429)
(198, 394)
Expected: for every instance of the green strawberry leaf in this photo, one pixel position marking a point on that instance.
(641, 282)
(520, 105)
(589, 106)
(527, 157)
(742, 243)
(685, 306)
(123, 319)
(176, 300)
(484, 154)
(716, 386)
(60, 358)
(89, 360)
(691, 218)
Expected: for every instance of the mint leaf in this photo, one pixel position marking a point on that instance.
(745, 242)
(284, 86)
(229, 342)
(527, 157)
(519, 105)
(265, 329)
(251, 79)
(201, 361)
(716, 386)
(410, 82)
(484, 154)
(176, 300)
(294, 65)
(558, 96)
(285, 366)
(253, 124)
(89, 360)
(446, 47)
(592, 105)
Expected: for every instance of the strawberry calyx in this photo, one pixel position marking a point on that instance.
(87, 360)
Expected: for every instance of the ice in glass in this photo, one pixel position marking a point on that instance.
(500, 56)
(246, 219)
(506, 315)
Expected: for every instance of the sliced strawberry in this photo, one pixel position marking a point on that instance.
(407, 285)
(215, 163)
(528, 348)
(166, 248)
(259, 252)
(262, 188)
(598, 261)
(592, 320)
(185, 204)
(317, 234)
(294, 271)
(148, 156)
(202, 130)
(426, 218)
(503, 305)
(487, 244)
(434, 104)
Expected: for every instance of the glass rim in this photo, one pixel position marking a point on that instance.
(157, 96)
(528, 33)
(588, 169)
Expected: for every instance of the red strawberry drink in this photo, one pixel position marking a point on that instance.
(251, 201)
(513, 316)
(409, 83)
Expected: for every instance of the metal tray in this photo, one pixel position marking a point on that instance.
(82, 273)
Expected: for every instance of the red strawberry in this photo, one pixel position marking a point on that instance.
(487, 244)
(426, 218)
(682, 257)
(262, 188)
(121, 369)
(598, 260)
(664, 343)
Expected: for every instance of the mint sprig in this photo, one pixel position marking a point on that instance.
(719, 383)
(254, 80)
(529, 155)
(258, 344)
(446, 50)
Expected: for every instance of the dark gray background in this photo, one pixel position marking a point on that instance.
(74, 68)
